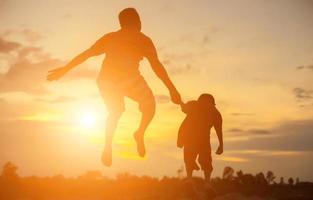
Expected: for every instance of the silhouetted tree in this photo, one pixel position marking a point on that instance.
(245, 178)
(297, 180)
(93, 175)
(92, 185)
(282, 182)
(290, 181)
(270, 177)
(9, 182)
(228, 173)
(9, 171)
(180, 172)
(260, 179)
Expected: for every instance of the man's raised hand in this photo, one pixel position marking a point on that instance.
(175, 97)
(57, 73)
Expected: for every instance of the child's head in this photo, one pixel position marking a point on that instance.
(206, 100)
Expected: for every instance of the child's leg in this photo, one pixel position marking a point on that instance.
(205, 161)
(189, 172)
(190, 157)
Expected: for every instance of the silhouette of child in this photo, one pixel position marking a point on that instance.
(194, 134)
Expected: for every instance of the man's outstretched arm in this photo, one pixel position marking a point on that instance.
(160, 71)
(96, 49)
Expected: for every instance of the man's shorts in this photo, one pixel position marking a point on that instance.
(136, 88)
(203, 155)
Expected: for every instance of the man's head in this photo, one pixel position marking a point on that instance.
(129, 19)
(206, 100)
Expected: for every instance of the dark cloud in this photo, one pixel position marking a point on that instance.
(235, 130)
(2, 2)
(25, 76)
(206, 39)
(162, 99)
(241, 132)
(8, 46)
(259, 131)
(67, 16)
(288, 136)
(241, 114)
(28, 72)
(303, 94)
(302, 67)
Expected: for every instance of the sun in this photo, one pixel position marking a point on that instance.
(88, 119)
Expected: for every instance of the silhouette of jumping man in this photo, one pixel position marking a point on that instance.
(120, 76)
(194, 134)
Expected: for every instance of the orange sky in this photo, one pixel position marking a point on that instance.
(255, 57)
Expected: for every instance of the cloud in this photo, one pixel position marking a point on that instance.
(235, 130)
(288, 136)
(25, 76)
(28, 71)
(303, 94)
(30, 35)
(60, 99)
(188, 57)
(31, 64)
(302, 67)
(162, 99)
(259, 131)
(182, 69)
(2, 3)
(241, 114)
(8, 46)
(232, 159)
(26, 34)
(84, 73)
(249, 131)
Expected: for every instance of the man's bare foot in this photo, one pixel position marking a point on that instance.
(140, 143)
(107, 157)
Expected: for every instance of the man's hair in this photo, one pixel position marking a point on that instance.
(207, 98)
(129, 17)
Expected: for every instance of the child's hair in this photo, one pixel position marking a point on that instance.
(206, 99)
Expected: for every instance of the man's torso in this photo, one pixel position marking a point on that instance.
(124, 50)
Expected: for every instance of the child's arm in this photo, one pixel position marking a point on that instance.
(219, 132)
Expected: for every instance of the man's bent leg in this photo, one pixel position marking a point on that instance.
(205, 161)
(140, 92)
(190, 156)
(148, 110)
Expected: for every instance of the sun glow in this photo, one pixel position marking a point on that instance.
(88, 119)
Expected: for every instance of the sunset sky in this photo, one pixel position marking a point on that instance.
(255, 57)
